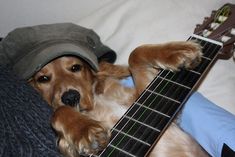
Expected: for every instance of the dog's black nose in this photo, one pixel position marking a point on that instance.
(71, 97)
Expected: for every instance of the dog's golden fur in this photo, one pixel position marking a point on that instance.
(84, 128)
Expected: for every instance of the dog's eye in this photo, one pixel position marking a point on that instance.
(75, 68)
(43, 79)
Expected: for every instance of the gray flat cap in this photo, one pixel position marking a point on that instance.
(28, 49)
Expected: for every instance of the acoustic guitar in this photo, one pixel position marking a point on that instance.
(142, 125)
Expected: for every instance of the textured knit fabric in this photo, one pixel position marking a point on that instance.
(25, 129)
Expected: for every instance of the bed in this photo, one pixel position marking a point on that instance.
(126, 24)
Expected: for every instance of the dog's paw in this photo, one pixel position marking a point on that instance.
(78, 134)
(182, 55)
(94, 139)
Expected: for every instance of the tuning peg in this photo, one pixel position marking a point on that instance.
(213, 12)
(225, 38)
(232, 31)
(214, 25)
(198, 25)
(206, 33)
(205, 19)
(222, 18)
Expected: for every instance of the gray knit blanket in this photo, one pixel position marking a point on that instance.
(25, 129)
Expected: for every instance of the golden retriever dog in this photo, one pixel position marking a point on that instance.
(87, 104)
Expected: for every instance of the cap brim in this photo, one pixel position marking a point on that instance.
(27, 66)
(107, 54)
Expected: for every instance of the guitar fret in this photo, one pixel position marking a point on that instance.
(217, 48)
(148, 126)
(123, 143)
(195, 72)
(184, 77)
(210, 47)
(156, 111)
(197, 37)
(175, 82)
(169, 90)
(119, 131)
(210, 53)
(204, 64)
(121, 150)
(164, 96)
(156, 103)
(156, 107)
(206, 58)
(133, 128)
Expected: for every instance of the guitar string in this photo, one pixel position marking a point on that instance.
(132, 106)
(124, 117)
(165, 76)
(167, 101)
(133, 115)
(159, 102)
(137, 110)
(218, 36)
(214, 50)
(205, 63)
(224, 12)
(126, 124)
(138, 119)
(127, 113)
(145, 109)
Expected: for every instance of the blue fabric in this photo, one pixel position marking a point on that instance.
(209, 124)
(128, 82)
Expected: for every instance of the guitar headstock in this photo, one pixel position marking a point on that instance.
(220, 26)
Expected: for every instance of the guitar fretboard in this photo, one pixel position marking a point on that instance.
(146, 120)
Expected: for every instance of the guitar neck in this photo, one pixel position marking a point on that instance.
(146, 120)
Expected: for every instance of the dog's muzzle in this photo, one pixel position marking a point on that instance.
(71, 98)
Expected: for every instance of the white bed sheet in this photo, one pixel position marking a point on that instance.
(126, 24)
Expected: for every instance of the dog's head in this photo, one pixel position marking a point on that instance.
(67, 80)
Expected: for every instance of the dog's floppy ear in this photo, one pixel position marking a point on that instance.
(112, 70)
(100, 84)
(106, 70)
